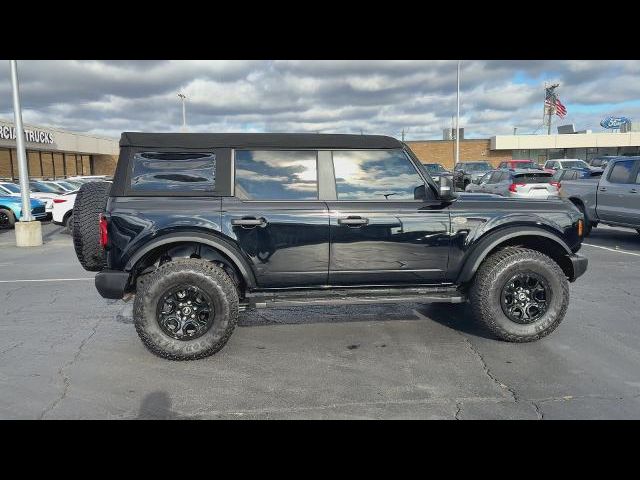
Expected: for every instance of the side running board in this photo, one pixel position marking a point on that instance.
(351, 296)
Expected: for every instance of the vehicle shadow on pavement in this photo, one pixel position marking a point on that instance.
(156, 406)
(457, 317)
(625, 239)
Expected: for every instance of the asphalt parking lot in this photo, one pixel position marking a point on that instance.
(67, 353)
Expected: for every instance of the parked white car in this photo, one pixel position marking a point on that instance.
(63, 210)
(13, 190)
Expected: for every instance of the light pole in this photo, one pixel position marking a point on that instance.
(28, 231)
(458, 116)
(184, 111)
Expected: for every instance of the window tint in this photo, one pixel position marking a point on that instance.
(494, 177)
(174, 172)
(621, 172)
(276, 175)
(375, 175)
(558, 175)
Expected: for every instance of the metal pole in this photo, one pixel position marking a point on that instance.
(184, 112)
(458, 117)
(23, 170)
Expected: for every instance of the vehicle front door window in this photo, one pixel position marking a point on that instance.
(375, 175)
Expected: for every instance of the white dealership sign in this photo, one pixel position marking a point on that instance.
(34, 136)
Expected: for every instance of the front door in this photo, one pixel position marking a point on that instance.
(380, 234)
(276, 218)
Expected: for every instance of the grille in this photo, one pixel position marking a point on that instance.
(37, 210)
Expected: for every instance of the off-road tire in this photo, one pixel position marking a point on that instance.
(91, 201)
(11, 219)
(200, 273)
(493, 274)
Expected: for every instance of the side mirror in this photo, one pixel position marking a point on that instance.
(419, 193)
(446, 189)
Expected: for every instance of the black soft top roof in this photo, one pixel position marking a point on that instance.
(256, 140)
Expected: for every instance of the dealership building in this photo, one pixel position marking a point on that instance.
(53, 153)
(538, 148)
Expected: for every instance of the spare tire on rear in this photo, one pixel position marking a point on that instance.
(91, 201)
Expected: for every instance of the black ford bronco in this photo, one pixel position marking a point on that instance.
(202, 226)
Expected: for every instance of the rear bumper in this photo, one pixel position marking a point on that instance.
(112, 283)
(579, 264)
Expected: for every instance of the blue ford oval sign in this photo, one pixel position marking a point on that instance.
(614, 122)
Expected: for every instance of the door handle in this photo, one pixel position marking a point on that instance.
(353, 221)
(249, 222)
(633, 190)
(603, 189)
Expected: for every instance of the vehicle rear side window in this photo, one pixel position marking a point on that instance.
(375, 175)
(532, 178)
(173, 172)
(621, 172)
(276, 175)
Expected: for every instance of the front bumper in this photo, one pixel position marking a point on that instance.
(579, 264)
(112, 283)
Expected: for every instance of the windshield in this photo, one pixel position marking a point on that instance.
(574, 164)
(434, 167)
(67, 185)
(476, 166)
(11, 187)
(527, 165)
(47, 188)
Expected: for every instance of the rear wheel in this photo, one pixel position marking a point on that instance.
(69, 224)
(7, 219)
(521, 295)
(186, 309)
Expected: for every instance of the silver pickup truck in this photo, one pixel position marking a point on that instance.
(613, 199)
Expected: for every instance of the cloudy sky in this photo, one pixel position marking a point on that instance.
(376, 97)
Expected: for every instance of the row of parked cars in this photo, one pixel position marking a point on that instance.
(50, 199)
(605, 189)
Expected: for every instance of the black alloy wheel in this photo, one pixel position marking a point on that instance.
(525, 297)
(185, 312)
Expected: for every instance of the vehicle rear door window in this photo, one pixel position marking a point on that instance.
(375, 175)
(188, 172)
(276, 175)
(621, 172)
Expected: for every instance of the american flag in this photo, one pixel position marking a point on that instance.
(552, 101)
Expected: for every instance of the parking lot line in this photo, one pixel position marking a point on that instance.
(612, 249)
(49, 280)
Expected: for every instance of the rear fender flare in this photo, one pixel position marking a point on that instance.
(225, 247)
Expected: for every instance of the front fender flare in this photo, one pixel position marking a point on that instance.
(495, 238)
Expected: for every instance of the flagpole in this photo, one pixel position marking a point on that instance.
(458, 116)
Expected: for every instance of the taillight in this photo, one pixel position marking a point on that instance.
(513, 187)
(59, 200)
(555, 184)
(104, 236)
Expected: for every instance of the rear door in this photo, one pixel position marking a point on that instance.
(380, 234)
(618, 199)
(276, 217)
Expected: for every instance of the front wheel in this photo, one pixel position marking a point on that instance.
(7, 219)
(186, 309)
(521, 295)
